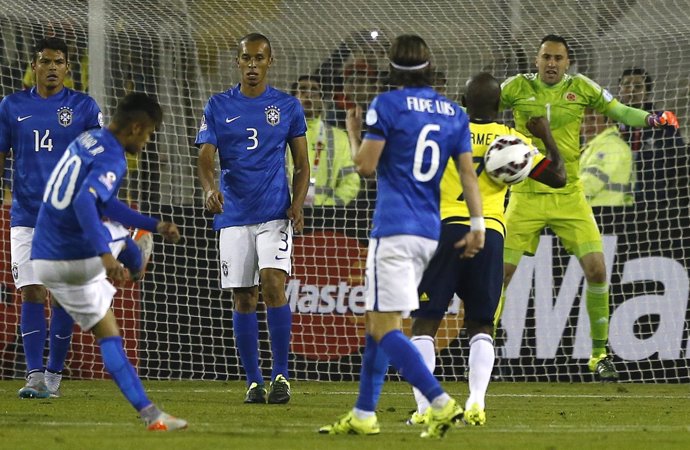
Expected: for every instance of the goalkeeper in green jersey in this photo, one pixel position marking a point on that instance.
(562, 98)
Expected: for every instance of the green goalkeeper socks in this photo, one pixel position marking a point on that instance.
(597, 297)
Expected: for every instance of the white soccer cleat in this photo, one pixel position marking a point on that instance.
(166, 422)
(53, 381)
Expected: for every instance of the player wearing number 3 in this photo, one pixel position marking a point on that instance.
(250, 126)
(37, 124)
(413, 132)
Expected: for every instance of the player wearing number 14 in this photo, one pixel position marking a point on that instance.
(37, 124)
(250, 126)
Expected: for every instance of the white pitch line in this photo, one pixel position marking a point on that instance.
(354, 393)
(293, 428)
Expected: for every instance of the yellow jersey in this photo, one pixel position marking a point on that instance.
(453, 206)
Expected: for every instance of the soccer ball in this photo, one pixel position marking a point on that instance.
(508, 160)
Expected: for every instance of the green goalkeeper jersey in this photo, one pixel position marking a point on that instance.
(563, 104)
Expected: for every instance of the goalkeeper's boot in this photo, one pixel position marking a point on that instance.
(474, 415)
(166, 422)
(350, 424)
(280, 391)
(440, 420)
(53, 381)
(256, 393)
(602, 366)
(418, 418)
(35, 387)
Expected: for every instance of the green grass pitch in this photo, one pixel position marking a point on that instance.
(94, 415)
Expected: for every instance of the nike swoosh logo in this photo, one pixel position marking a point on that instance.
(63, 337)
(232, 120)
(30, 332)
(279, 258)
(22, 119)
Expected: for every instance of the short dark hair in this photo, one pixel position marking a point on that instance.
(410, 50)
(132, 106)
(556, 38)
(313, 78)
(633, 71)
(52, 43)
(483, 92)
(254, 37)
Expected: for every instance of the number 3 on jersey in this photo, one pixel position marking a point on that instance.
(424, 143)
(253, 138)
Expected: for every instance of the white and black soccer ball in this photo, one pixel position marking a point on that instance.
(508, 160)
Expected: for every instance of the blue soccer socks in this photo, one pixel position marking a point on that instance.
(61, 326)
(246, 329)
(372, 376)
(280, 327)
(33, 328)
(123, 373)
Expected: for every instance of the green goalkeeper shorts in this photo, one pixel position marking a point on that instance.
(569, 216)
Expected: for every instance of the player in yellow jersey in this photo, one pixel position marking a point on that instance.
(562, 98)
(478, 280)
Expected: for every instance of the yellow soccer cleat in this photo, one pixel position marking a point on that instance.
(602, 366)
(350, 424)
(474, 415)
(419, 418)
(280, 391)
(440, 420)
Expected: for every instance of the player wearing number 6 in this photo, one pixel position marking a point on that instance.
(37, 124)
(250, 125)
(413, 132)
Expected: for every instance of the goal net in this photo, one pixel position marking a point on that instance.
(177, 323)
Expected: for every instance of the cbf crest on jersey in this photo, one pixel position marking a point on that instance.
(65, 116)
(272, 115)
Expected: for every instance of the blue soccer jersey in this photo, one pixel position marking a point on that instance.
(422, 130)
(95, 161)
(251, 135)
(38, 130)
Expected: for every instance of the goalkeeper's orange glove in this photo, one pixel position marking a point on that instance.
(662, 119)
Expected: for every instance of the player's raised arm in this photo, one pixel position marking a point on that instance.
(550, 171)
(365, 153)
(213, 198)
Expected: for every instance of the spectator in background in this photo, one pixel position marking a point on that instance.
(355, 64)
(658, 152)
(440, 82)
(606, 163)
(334, 180)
